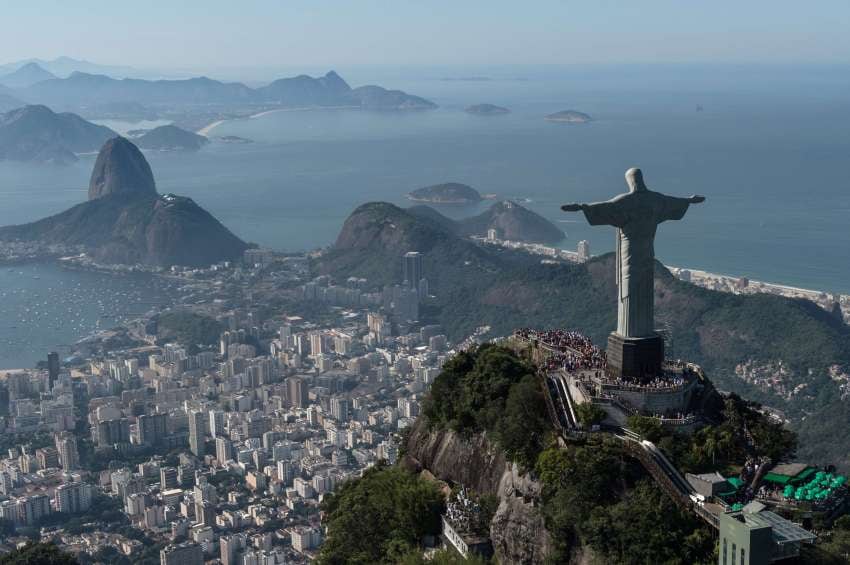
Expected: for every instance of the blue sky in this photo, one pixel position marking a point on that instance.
(219, 34)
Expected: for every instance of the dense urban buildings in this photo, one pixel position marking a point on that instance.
(225, 450)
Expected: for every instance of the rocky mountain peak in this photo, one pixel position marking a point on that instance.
(121, 169)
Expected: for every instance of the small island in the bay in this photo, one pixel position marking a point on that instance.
(446, 193)
(233, 139)
(170, 138)
(487, 110)
(569, 116)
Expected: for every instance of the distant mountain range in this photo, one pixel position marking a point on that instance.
(125, 220)
(64, 66)
(36, 133)
(478, 285)
(27, 75)
(509, 219)
(83, 90)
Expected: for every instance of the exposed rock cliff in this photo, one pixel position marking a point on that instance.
(121, 169)
(517, 530)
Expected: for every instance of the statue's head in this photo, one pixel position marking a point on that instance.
(634, 178)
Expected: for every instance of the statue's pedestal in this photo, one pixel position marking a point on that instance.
(636, 357)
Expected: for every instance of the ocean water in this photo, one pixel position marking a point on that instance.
(769, 150)
(46, 308)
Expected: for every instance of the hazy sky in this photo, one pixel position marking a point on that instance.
(215, 33)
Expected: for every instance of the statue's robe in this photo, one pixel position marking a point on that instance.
(636, 216)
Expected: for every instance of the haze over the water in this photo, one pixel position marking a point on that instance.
(254, 40)
(768, 146)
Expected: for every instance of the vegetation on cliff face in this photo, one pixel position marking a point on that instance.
(490, 389)
(380, 517)
(587, 488)
(740, 432)
(595, 496)
(833, 547)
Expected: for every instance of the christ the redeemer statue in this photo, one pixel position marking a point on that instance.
(636, 216)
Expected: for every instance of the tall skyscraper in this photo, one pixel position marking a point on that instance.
(223, 450)
(53, 367)
(231, 546)
(197, 431)
(152, 429)
(66, 446)
(340, 408)
(72, 497)
(204, 513)
(216, 423)
(316, 343)
(296, 390)
(168, 478)
(110, 432)
(412, 267)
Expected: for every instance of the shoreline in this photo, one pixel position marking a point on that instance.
(698, 275)
(205, 131)
(702, 273)
(66, 261)
(431, 201)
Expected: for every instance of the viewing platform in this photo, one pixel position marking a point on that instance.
(667, 396)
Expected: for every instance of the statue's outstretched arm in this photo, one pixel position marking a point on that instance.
(609, 213)
(696, 199)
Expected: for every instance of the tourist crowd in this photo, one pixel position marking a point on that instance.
(573, 351)
(664, 381)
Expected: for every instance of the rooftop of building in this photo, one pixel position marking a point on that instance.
(784, 531)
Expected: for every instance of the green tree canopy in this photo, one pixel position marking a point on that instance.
(490, 389)
(38, 554)
(380, 517)
(589, 414)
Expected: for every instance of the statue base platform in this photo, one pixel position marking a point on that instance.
(635, 357)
